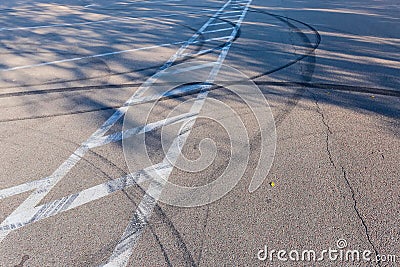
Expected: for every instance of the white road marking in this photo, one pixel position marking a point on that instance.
(228, 17)
(219, 30)
(151, 2)
(22, 188)
(219, 23)
(100, 21)
(192, 68)
(91, 56)
(76, 200)
(103, 55)
(133, 231)
(101, 141)
(122, 252)
(138, 130)
(205, 51)
(108, 54)
(65, 167)
(219, 38)
(29, 8)
(229, 12)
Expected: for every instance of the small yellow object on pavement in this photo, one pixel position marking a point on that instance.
(272, 184)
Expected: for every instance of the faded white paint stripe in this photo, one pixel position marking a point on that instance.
(76, 200)
(91, 56)
(123, 250)
(123, 19)
(22, 188)
(219, 30)
(138, 130)
(97, 142)
(64, 168)
(106, 54)
(219, 23)
(228, 17)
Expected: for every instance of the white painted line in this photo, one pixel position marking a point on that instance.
(22, 188)
(101, 141)
(219, 38)
(92, 56)
(138, 130)
(202, 52)
(123, 19)
(123, 251)
(151, 2)
(76, 200)
(104, 55)
(192, 68)
(205, 51)
(228, 17)
(41, 192)
(219, 30)
(237, 6)
(229, 12)
(219, 23)
(175, 92)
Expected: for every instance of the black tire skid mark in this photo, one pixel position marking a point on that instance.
(297, 96)
(166, 21)
(181, 244)
(108, 7)
(291, 103)
(201, 42)
(337, 87)
(38, 92)
(188, 258)
(159, 212)
(256, 138)
(103, 108)
(305, 75)
(333, 86)
(131, 197)
(59, 90)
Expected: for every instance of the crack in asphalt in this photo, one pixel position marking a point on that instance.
(344, 174)
(328, 130)
(358, 213)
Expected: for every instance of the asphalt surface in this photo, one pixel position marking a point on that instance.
(330, 74)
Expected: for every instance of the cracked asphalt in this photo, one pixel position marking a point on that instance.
(329, 71)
